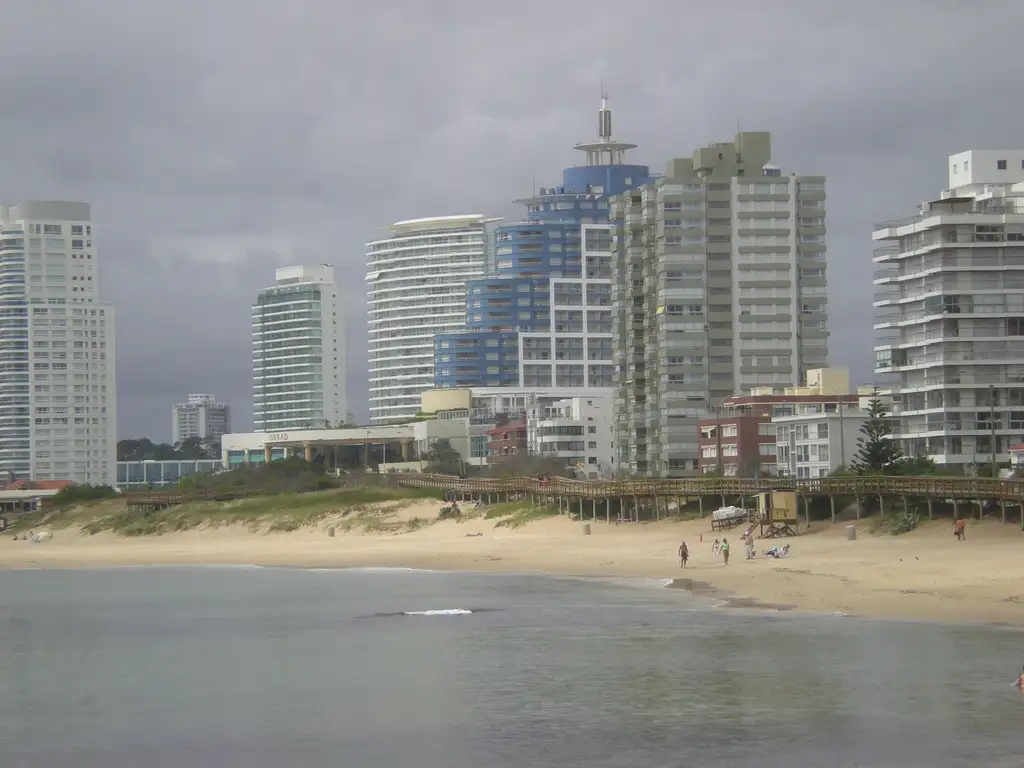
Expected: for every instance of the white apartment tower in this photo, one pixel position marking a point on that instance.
(200, 417)
(950, 314)
(416, 285)
(298, 351)
(58, 395)
(719, 288)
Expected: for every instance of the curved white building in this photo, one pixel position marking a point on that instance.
(416, 288)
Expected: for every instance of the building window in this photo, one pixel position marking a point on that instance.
(1001, 165)
(729, 430)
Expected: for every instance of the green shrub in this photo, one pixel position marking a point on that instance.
(81, 494)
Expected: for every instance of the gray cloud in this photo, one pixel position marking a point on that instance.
(219, 140)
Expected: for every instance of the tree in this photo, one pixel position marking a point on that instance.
(876, 451)
(190, 449)
(443, 459)
(914, 466)
(529, 465)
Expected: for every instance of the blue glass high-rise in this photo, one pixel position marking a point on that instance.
(514, 297)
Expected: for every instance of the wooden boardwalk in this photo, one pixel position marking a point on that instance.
(653, 495)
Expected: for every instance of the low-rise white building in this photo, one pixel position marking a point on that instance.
(399, 446)
(576, 429)
(818, 439)
(484, 405)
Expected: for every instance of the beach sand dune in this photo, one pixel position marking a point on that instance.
(925, 574)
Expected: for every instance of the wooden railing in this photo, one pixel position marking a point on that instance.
(968, 488)
(938, 488)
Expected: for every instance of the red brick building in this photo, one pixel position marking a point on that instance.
(740, 438)
(505, 441)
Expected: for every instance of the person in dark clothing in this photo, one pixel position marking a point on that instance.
(684, 555)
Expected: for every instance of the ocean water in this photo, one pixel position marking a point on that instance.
(252, 667)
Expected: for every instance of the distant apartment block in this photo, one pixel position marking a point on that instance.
(720, 287)
(200, 417)
(949, 317)
(58, 393)
(298, 351)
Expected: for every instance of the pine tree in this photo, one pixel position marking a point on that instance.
(875, 451)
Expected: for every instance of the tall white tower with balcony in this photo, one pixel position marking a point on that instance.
(298, 351)
(950, 314)
(416, 285)
(58, 394)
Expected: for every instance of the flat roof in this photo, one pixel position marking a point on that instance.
(436, 222)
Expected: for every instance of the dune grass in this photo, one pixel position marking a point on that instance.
(518, 513)
(279, 513)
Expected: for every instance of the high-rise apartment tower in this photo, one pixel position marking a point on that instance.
(58, 394)
(949, 318)
(719, 287)
(416, 284)
(298, 351)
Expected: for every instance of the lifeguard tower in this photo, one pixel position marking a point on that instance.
(778, 512)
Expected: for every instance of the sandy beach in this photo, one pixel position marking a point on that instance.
(926, 574)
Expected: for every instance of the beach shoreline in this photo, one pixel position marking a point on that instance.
(923, 575)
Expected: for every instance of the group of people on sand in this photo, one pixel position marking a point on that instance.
(718, 548)
(721, 549)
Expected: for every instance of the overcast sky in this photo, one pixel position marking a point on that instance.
(218, 140)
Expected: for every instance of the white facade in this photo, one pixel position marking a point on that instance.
(490, 402)
(818, 439)
(576, 349)
(950, 314)
(239, 448)
(202, 417)
(298, 351)
(416, 284)
(577, 429)
(58, 393)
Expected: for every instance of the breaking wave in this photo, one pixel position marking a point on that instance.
(440, 612)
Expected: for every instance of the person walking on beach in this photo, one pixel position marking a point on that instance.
(725, 550)
(750, 545)
(960, 529)
(715, 548)
(684, 555)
